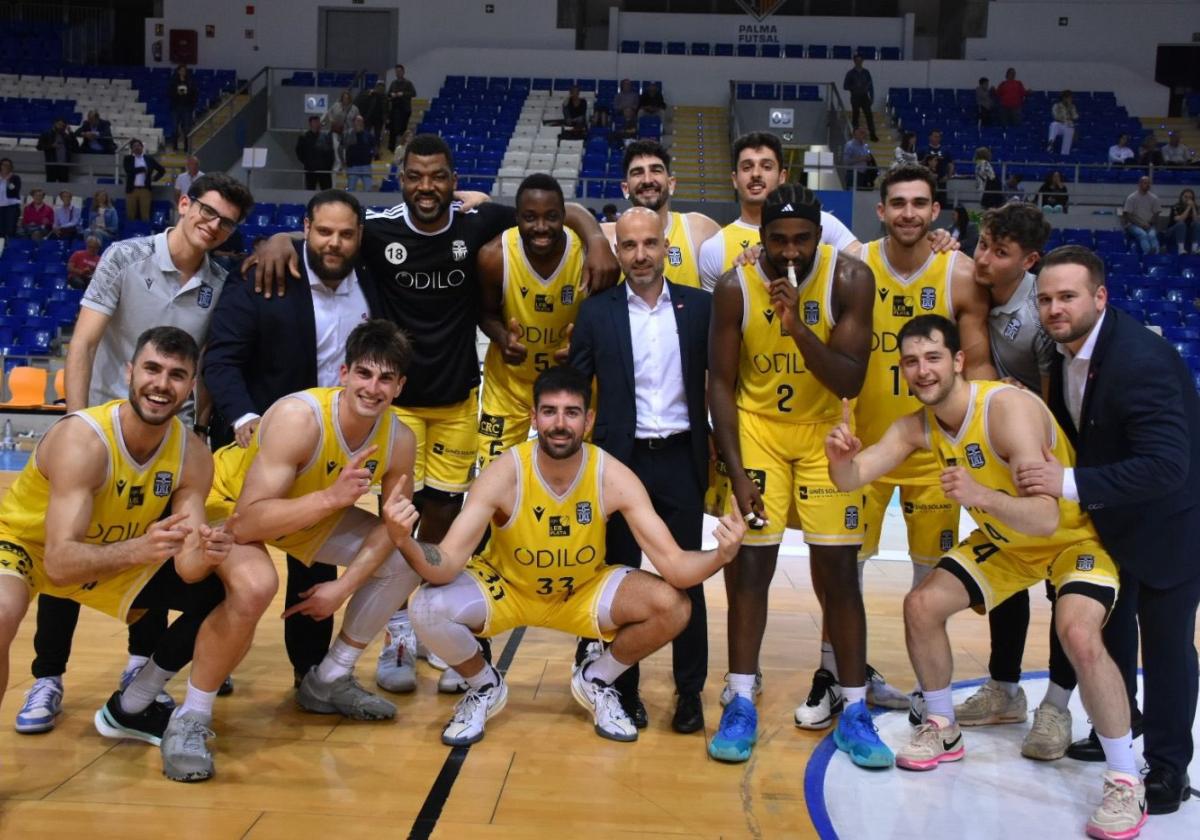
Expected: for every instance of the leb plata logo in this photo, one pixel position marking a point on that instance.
(543, 303)
(560, 526)
(902, 306)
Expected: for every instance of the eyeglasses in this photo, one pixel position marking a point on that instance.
(209, 213)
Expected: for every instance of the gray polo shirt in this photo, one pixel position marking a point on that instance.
(137, 286)
(1021, 349)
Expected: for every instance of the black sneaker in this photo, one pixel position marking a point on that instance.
(147, 725)
(226, 688)
(916, 709)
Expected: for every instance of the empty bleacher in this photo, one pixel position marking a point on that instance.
(841, 52)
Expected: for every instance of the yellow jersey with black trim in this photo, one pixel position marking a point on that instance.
(972, 448)
(543, 306)
(133, 497)
(681, 267)
(772, 378)
(552, 544)
(736, 237)
(329, 458)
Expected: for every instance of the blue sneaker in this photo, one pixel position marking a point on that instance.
(165, 699)
(856, 734)
(43, 705)
(737, 733)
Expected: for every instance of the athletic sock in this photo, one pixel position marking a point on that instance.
(742, 685)
(605, 668)
(853, 694)
(828, 660)
(487, 676)
(197, 702)
(1118, 753)
(1057, 696)
(940, 703)
(339, 661)
(135, 661)
(147, 685)
(1010, 688)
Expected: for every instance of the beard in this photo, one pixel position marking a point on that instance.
(559, 451)
(638, 200)
(316, 262)
(135, 404)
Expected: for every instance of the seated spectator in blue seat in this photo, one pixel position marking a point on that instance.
(1052, 194)
(1175, 153)
(95, 135)
(103, 222)
(82, 264)
(625, 128)
(1119, 154)
(574, 114)
(38, 218)
(651, 100)
(626, 97)
(1183, 223)
(1139, 216)
(1148, 153)
(67, 217)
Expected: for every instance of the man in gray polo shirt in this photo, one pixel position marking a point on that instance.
(162, 280)
(1139, 215)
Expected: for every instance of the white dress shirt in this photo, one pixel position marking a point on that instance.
(139, 170)
(658, 390)
(1075, 378)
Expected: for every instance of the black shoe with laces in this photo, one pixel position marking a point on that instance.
(147, 725)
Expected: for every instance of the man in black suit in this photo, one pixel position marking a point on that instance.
(1128, 403)
(261, 349)
(651, 416)
(58, 145)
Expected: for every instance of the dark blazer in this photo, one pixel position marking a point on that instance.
(154, 171)
(261, 349)
(46, 145)
(601, 346)
(1138, 452)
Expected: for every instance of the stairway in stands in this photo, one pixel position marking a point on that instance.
(700, 153)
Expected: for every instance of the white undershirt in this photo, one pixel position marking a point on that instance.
(658, 390)
(1075, 377)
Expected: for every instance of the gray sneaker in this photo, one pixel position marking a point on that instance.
(396, 670)
(343, 696)
(1050, 735)
(185, 754)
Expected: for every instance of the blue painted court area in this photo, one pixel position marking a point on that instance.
(13, 461)
(993, 792)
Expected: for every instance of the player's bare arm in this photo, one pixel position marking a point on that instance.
(701, 227)
(206, 546)
(852, 467)
(600, 269)
(971, 307)
(81, 355)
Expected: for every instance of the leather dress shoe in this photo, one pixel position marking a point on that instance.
(631, 702)
(689, 714)
(1089, 749)
(1165, 789)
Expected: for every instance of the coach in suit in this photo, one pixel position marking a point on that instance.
(651, 416)
(1128, 403)
(261, 349)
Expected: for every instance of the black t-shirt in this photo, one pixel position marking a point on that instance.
(429, 285)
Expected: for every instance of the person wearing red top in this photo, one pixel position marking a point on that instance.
(38, 218)
(82, 264)
(1011, 95)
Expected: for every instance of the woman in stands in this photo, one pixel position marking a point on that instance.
(1183, 223)
(906, 152)
(965, 232)
(991, 191)
(339, 119)
(1052, 194)
(102, 218)
(10, 199)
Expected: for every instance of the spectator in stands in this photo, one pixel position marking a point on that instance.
(405, 139)
(965, 232)
(82, 264)
(1148, 153)
(991, 192)
(609, 213)
(57, 144)
(1052, 194)
(1183, 223)
(38, 219)
(651, 101)
(372, 104)
(102, 220)
(626, 97)
(314, 149)
(940, 167)
(935, 145)
(1175, 153)
(1012, 188)
(1120, 154)
(339, 119)
(10, 199)
(359, 144)
(183, 181)
(625, 127)
(95, 135)
(401, 94)
(985, 103)
(574, 111)
(858, 161)
(906, 152)
(1139, 215)
(1065, 115)
(67, 217)
(141, 171)
(182, 93)
(861, 88)
(1010, 94)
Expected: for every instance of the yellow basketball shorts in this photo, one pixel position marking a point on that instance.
(447, 439)
(504, 416)
(930, 518)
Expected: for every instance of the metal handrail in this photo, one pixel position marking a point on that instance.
(227, 103)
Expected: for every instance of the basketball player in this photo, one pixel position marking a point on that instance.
(980, 435)
(87, 519)
(790, 335)
(312, 458)
(530, 282)
(547, 501)
(649, 183)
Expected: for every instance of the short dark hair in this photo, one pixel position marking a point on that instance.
(1078, 255)
(608, 208)
(559, 378)
(924, 326)
(645, 148)
(334, 196)
(170, 341)
(758, 140)
(427, 145)
(230, 189)
(983, 80)
(903, 174)
(540, 181)
(379, 341)
(1019, 221)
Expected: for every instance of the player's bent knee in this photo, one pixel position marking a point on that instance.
(1081, 640)
(425, 607)
(250, 588)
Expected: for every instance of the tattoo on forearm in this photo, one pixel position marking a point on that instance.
(432, 555)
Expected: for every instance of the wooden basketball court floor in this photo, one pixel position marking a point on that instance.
(539, 772)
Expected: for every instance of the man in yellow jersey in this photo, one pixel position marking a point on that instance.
(547, 502)
(649, 183)
(790, 336)
(530, 281)
(980, 435)
(87, 519)
(314, 455)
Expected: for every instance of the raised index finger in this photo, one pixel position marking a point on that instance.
(361, 458)
(846, 411)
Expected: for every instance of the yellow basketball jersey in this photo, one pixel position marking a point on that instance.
(552, 544)
(885, 396)
(330, 456)
(972, 448)
(682, 267)
(542, 306)
(132, 498)
(736, 237)
(772, 379)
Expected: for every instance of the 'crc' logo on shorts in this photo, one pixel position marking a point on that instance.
(490, 425)
(1085, 563)
(395, 253)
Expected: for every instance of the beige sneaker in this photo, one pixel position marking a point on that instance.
(1123, 810)
(991, 704)
(933, 742)
(1050, 734)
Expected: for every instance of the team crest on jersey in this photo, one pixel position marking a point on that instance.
(491, 425)
(583, 513)
(567, 296)
(395, 253)
(928, 298)
(162, 484)
(543, 303)
(946, 540)
(902, 306)
(851, 517)
(1085, 563)
(560, 526)
(1012, 328)
(204, 296)
(975, 456)
(675, 256)
(812, 312)
(524, 292)
(538, 510)
(458, 250)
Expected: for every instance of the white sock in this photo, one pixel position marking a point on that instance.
(1010, 688)
(1057, 696)
(605, 668)
(339, 661)
(136, 662)
(940, 703)
(198, 703)
(1118, 753)
(140, 693)
(828, 660)
(487, 676)
(742, 685)
(853, 694)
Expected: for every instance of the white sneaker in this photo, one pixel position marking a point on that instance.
(451, 682)
(396, 670)
(605, 704)
(43, 705)
(432, 658)
(473, 711)
(824, 701)
(1122, 812)
(1050, 735)
(727, 693)
(990, 705)
(882, 693)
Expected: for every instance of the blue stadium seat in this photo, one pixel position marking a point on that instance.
(793, 51)
(722, 49)
(747, 50)
(769, 51)
(627, 47)
(701, 48)
(652, 47)
(676, 48)
(818, 51)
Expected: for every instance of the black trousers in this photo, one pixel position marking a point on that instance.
(668, 476)
(306, 639)
(1009, 624)
(167, 591)
(317, 180)
(60, 172)
(859, 102)
(56, 620)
